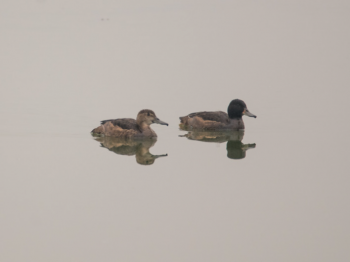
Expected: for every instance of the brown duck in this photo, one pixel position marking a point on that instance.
(129, 128)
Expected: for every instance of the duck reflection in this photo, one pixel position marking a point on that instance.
(235, 148)
(139, 148)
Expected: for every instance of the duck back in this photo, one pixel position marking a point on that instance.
(124, 123)
(205, 120)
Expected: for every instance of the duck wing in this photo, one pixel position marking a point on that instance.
(218, 116)
(124, 123)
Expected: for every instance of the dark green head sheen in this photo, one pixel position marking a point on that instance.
(236, 108)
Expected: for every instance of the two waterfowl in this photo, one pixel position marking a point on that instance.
(208, 121)
(218, 120)
(129, 128)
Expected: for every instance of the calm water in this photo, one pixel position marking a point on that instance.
(277, 192)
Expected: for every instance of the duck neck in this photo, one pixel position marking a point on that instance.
(237, 123)
(143, 126)
(146, 129)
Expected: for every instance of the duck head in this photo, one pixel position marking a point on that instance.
(237, 108)
(148, 117)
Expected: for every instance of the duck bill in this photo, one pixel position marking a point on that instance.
(158, 156)
(247, 113)
(158, 121)
(248, 146)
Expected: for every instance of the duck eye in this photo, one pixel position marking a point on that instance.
(148, 114)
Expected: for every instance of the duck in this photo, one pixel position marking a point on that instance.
(128, 128)
(218, 120)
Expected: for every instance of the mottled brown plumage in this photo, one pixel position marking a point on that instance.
(124, 123)
(217, 116)
(128, 127)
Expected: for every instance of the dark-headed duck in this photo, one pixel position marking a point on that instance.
(218, 120)
(128, 127)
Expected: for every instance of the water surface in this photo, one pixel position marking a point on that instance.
(278, 192)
